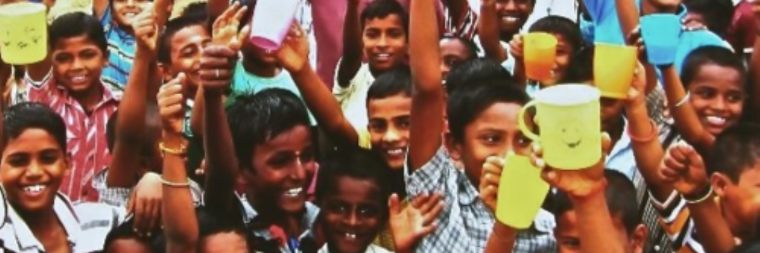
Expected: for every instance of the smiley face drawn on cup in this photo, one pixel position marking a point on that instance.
(571, 132)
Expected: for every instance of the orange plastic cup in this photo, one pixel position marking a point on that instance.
(614, 66)
(539, 50)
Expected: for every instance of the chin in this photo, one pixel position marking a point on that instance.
(292, 207)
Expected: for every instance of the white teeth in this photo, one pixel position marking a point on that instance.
(293, 192)
(383, 55)
(510, 19)
(77, 79)
(34, 188)
(350, 236)
(395, 151)
(716, 120)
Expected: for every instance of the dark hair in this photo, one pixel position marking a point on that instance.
(736, 150)
(485, 87)
(355, 163)
(382, 9)
(475, 71)
(151, 115)
(621, 200)
(172, 27)
(563, 26)
(472, 48)
(198, 9)
(716, 55)
(125, 231)
(716, 13)
(257, 118)
(31, 115)
(393, 82)
(76, 24)
(581, 67)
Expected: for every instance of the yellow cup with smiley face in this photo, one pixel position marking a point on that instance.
(568, 119)
(23, 33)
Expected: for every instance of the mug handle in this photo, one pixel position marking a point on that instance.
(521, 121)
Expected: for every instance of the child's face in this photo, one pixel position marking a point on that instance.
(389, 127)
(513, 14)
(561, 59)
(569, 241)
(128, 246)
(77, 63)
(352, 214)
(33, 166)
(124, 11)
(740, 202)
(494, 132)
(227, 242)
(717, 97)
(280, 170)
(453, 52)
(611, 113)
(384, 42)
(185, 53)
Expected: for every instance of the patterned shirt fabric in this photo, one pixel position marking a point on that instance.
(465, 223)
(119, 196)
(307, 222)
(86, 225)
(676, 221)
(370, 249)
(121, 53)
(85, 135)
(467, 27)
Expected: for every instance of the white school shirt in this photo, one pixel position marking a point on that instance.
(371, 249)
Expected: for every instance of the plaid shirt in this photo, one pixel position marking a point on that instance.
(86, 225)
(85, 135)
(465, 223)
(118, 196)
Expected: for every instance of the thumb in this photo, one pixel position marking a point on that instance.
(606, 143)
(394, 204)
(242, 36)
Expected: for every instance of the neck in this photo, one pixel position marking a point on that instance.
(647, 7)
(260, 69)
(90, 98)
(507, 36)
(41, 223)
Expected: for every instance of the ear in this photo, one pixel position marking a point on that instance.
(719, 183)
(639, 238)
(454, 147)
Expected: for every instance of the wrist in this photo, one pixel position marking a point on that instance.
(700, 194)
(594, 189)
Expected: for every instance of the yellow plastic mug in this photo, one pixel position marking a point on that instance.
(614, 66)
(539, 51)
(521, 192)
(569, 119)
(23, 33)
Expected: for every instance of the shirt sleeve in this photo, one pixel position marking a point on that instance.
(343, 93)
(437, 175)
(115, 196)
(675, 220)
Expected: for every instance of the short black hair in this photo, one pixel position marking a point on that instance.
(393, 82)
(475, 71)
(76, 24)
(125, 231)
(257, 118)
(581, 67)
(31, 115)
(716, 55)
(563, 26)
(382, 9)
(716, 13)
(621, 200)
(172, 27)
(472, 48)
(151, 114)
(198, 9)
(736, 150)
(355, 163)
(484, 88)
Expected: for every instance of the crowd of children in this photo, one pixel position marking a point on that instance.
(159, 126)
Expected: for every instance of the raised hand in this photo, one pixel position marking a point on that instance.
(171, 104)
(638, 91)
(225, 28)
(145, 204)
(217, 68)
(293, 55)
(576, 183)
(516, 47)
(146, 32)
(411, 223)
(685, 169)
(489, 183)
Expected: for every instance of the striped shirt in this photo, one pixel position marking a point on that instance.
(466, 28)
(86, 225)
(676, 220)
(465, 223)
(85, 135)
(121, 53)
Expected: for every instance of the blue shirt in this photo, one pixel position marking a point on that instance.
(121, 53)
(246, 83)
(606, 29)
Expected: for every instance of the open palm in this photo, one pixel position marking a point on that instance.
(225, 28)
(293, 55)
(414, 221)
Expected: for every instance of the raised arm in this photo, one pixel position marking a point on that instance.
(130, 125)
(99, 8)
(683, 113)
(294, 57)
(488, 30)
(352, 44)
(428, 99)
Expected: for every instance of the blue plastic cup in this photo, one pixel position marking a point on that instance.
(661, 33)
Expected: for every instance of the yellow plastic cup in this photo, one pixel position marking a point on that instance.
(23, 33)
(614, 66)
(568, 117)
(521, 192)
(539, 50)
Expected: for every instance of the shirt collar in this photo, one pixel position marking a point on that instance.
(307, 221)
(108, 95)
(23, 234)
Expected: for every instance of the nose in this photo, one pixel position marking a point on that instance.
(445, 68)
(391, 135)
(383, 41)
(77, 65)
(718, 104)
(509, 5)
(34, 170)
(131, 3)
(352, 219)
(298, 173)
